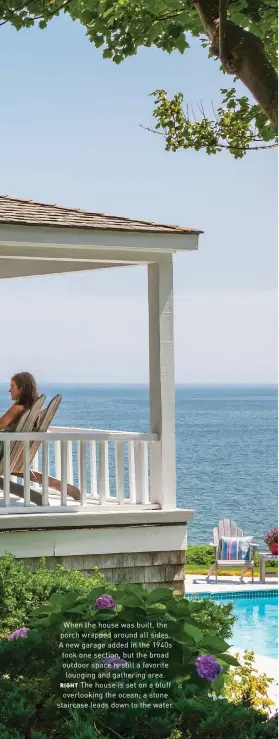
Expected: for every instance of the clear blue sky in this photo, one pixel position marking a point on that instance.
(70, 134)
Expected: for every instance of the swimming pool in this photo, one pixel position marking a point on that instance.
(256, 627)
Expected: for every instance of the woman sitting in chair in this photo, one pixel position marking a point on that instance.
(24, 392)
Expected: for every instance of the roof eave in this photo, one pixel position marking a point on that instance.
(20, 235)
(151, 229)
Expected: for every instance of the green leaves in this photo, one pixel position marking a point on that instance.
(229, 659)
(160, 595)
(214, 645)
(189, 607)
(121, 27)
(218, 684)
(245, 686)
(181, 43)
(195, 633)
(29, 696)
(128, 594)
(237, 126)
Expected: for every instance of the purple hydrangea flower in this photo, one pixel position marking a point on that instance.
(104, 601)
(114, 662)
(23, 631)
(208, 667)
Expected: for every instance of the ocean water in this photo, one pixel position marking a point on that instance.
(226, 441)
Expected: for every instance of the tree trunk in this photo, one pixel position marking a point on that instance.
(244, 57)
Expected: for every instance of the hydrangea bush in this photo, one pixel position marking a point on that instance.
(23, 631)
(208, 667)
(31, 671)
(192, 647)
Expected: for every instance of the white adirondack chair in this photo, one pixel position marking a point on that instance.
(230, 529)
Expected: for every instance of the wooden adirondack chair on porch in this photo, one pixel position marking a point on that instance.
(232, 549)
(33, 420)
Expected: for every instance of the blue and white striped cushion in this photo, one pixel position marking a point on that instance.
(235, 547)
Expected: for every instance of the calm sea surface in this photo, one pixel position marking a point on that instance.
(226, 440)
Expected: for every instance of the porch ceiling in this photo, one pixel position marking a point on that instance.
(38, 239)
(12, 268)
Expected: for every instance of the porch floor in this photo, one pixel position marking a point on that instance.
(54, 500)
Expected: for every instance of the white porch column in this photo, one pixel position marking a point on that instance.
(161, 375)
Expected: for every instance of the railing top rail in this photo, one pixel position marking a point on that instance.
(68, 434)
(113, 432)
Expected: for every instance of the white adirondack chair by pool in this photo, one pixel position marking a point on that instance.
(230, 529)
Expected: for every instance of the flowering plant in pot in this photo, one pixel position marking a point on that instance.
(271, 539)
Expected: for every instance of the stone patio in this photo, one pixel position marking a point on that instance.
(227, 583)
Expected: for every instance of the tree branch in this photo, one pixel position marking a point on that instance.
(35, 17)
(222, 29)
(221, 146)
(245, 57)
(18, 10)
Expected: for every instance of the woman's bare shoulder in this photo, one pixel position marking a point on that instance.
(17, 410)
(11, 415)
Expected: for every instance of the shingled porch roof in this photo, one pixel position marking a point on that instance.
(19, 211)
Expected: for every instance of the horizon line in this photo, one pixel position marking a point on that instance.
(146, 384)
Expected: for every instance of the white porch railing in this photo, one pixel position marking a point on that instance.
(109, 468)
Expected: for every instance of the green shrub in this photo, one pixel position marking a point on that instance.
(190, 718)
(271, 564)
(245, 686)
(200, 555)
(34, 663)
(31, 671)
(218, 719)
(217, 617)
(21, 590)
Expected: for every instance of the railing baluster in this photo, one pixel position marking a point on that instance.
(26, 468)
(7, 473)
(35, 463)
(45, 469)
(70, 474)
(119, 471)
(93, 468)
(57, 457)
(141, 472)
(78, 463)
(64, 471)
(35, 468)
(103, 471)
(82, 474)
(145, 473)
(132, 472)
(92, 489)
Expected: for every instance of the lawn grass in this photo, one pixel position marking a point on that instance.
(200, 558)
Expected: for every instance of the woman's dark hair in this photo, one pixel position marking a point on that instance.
(28, 387)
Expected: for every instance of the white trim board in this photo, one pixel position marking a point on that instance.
(12, 235)
(26, 519)
(113, 540)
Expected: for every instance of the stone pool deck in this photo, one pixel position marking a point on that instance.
(227, 583)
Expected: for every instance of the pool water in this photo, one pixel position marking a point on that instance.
(256, 627)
